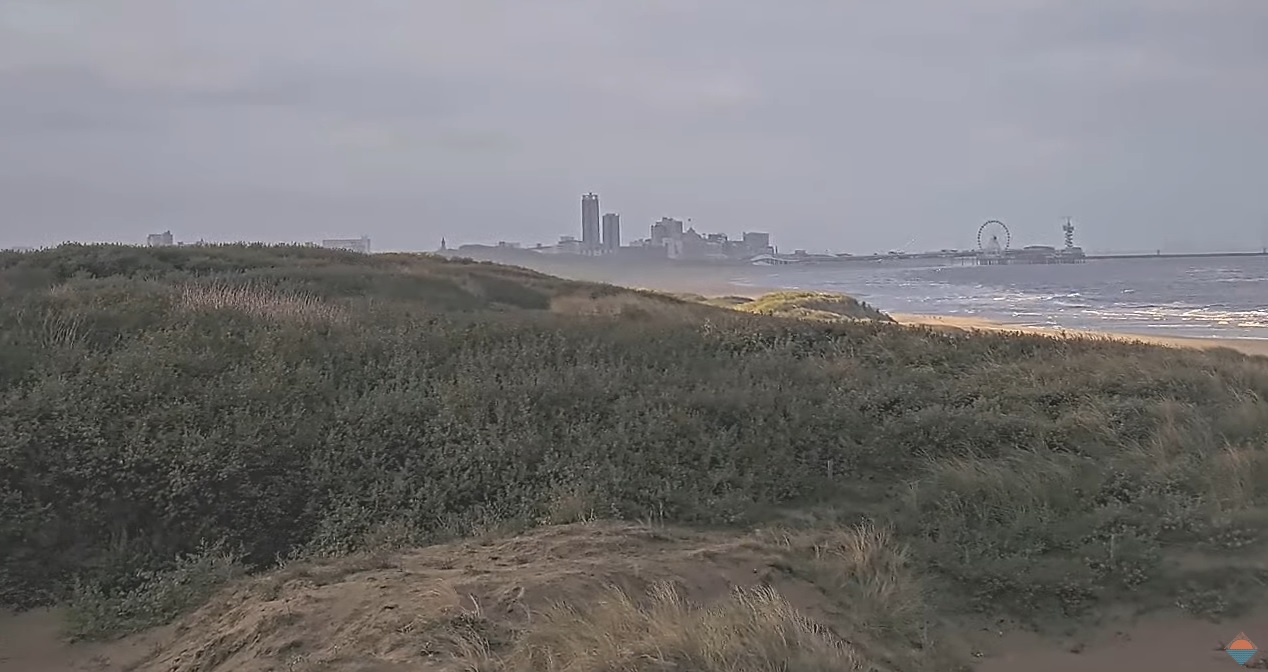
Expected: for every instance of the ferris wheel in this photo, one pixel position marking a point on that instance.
(993, 237)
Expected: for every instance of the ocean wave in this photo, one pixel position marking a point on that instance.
(1184, 298)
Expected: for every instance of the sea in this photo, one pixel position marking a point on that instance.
(1211, 297)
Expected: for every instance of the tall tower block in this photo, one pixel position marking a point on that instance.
(590, 222)
(611, 232)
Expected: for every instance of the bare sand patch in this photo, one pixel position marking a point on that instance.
(32, 642)
(1157, 642)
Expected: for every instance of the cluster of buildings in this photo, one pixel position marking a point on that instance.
(669, 239)
(600, 234)
(668, 235)
(674, 239)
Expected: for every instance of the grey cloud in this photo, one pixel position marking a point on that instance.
(831, 124)
(61, 101)
(383, 95)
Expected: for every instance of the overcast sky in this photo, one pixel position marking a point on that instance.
(842, 124)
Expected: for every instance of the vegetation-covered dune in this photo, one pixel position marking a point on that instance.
(173, 417)
(827, 306)
(817, 305)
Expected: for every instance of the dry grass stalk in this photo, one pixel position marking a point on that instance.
(262, 303)
(754, 629)
(630, 305)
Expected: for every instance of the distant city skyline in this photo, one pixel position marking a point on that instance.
(1053, 237)
(602, 234)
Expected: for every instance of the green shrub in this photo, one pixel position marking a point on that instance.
(157, 598)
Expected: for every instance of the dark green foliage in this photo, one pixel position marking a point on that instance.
(154, 598)
(337, 393)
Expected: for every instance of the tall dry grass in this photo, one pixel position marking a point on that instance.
(755, 630)
(873, 572)
(858, 580)
(626, 305)
(261, 302)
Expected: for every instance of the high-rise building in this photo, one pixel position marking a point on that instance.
(756, 242)
(159, 239)
(590, 222)
(666, 229)
(611, 232)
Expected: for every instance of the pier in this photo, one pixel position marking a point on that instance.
(994, 238)
(969, 258)
(1180, 255)
(1036, 254)
(994, 249)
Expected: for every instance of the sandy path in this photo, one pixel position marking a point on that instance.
(32, 642)
(1162, 643)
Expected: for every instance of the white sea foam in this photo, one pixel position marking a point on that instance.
(1183, 297)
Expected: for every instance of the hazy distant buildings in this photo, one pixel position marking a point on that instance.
(668, 234)
(670, 239)
(159, 239)
(361, 244)
(590, 241)
(757, 243)
(666, 229)
(611, 232)
(566, 245)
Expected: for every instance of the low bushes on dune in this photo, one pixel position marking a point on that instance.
(283, 401)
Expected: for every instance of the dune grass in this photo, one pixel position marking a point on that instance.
(755, 629)
(283, 401)
(822, 306)
(816, 305)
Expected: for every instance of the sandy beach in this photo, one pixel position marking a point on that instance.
(709, 282)
(1161, 641)
(706, 287)
(1246, 346)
